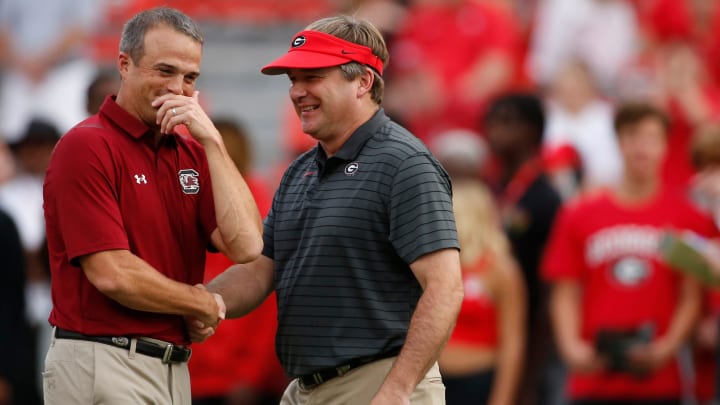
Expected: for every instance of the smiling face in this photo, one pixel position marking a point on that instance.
(170, 64)
(325, 101)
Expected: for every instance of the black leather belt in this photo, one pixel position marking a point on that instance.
(166, 351)
(310, 381)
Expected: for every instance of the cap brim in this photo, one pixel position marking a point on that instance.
(298, 59)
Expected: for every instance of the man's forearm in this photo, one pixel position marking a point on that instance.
(238, 218)
(244, 286)
(134, 283)
(565, 314)
(430, 328)
(686, 313)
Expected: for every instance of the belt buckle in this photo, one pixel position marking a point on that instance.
(120, 341)
(168, 353)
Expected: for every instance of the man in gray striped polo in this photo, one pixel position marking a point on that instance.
(360, 244)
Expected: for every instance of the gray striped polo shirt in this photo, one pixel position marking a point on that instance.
(342, 232)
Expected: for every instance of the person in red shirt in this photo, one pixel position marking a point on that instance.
(619, 312)
(130, 209)
(482, 361)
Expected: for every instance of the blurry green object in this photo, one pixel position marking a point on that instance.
(684, 252)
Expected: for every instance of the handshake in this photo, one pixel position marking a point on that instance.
(201, 328)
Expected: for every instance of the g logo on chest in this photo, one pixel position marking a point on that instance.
(351, 168)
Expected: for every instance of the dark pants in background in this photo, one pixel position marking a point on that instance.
(469, 390)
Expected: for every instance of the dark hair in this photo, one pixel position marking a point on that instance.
(526, 108)
(631, 113)
(132, 40)
(97, 90)
(38, 131)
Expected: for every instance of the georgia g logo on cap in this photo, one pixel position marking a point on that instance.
(298, 41)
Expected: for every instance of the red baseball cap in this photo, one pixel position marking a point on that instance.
(315, 49)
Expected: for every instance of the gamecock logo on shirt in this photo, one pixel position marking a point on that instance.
(189, 181)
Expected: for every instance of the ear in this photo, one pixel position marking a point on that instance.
(124, 62)
(365, 82)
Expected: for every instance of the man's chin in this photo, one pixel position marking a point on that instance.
(310, 131)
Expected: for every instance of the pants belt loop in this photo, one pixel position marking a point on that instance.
(52, 338)
(168, 353)
(133, 348)
(318, 378)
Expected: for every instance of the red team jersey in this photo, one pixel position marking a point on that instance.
(109, 187)
(476, 323)
(612, 251)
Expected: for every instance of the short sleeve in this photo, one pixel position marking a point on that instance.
(80, 196)
(269, 235)
(563, 258)
(420, 214)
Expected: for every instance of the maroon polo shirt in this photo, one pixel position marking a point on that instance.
(109, 187)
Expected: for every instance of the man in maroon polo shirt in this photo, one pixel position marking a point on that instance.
(131, 207)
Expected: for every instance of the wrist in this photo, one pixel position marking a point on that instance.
(665, 348)
(399, 389)
(206, 306)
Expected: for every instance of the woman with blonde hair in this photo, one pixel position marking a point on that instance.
(481, 362)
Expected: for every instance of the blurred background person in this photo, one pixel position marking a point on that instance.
(664, 50)
(582, 30)
(675, 69)
(7, 163)
(448, 58)
(463, 153)
(514, 125)
(577, 116)
(620, 313)
(482, 361)
(21, 197)
(705, 184)
(692, 99)
(18, 382)
(103, 84)
(46, 62)
(705, 192)
(238, 366)
(386, 15)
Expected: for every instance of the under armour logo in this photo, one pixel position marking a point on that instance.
(140, 179)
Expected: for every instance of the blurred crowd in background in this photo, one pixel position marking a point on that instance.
(452, 65)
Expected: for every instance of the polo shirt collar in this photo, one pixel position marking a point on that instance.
(351, 148)
(123, 119)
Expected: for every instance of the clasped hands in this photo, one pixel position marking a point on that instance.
(200, 329)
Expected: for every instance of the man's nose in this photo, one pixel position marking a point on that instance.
(175, 85)
(297, 91)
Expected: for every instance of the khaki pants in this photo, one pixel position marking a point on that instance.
(360, 385)
(82, 372)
